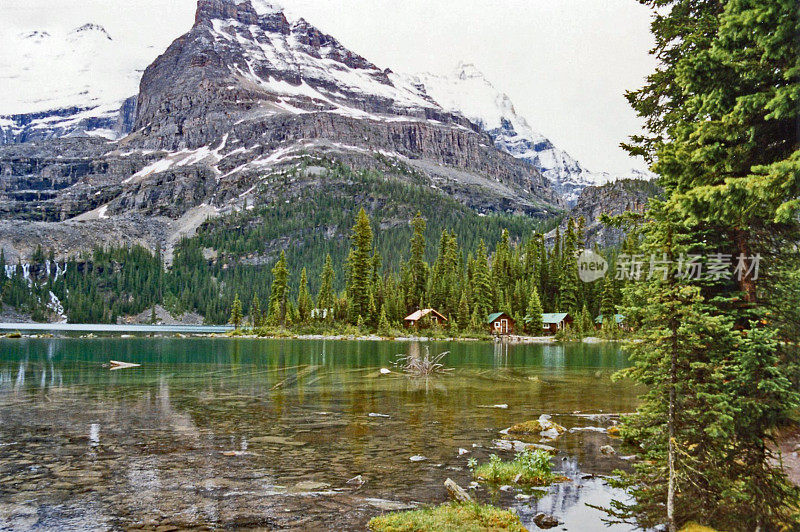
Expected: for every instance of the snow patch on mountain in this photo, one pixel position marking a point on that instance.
(70, 83)
(311, 71)
(85, 68)
(466, 90)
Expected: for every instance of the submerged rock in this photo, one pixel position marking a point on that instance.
(543, 520)
(542, 426)
(587, 429)
(310, 485)
(607, 449)
(519, 446)
(356, 481)
(235, 453)
(389, 506)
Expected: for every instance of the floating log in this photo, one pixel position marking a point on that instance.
(115, 364)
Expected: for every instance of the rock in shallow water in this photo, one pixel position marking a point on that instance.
(389, 506)
(356, 481)
(545, 521)
(310, 485)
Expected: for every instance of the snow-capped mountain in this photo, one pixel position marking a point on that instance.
(246, 61)
(468, 91)
(229, 115)
(56, 85)
(247, 88)
(256, 61)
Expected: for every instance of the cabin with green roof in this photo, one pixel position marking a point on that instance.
(618, 319)
(555, 321)
(500, 324)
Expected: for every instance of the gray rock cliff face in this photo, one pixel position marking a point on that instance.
(613, 199)
(60, 123)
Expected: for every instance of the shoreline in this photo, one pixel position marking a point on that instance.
(84, 331)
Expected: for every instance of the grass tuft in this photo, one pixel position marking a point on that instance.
(450, 517)
(425, 366)
(529, 468)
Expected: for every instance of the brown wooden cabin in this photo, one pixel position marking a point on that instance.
(500, 323)
(413, 320)
(554, 322)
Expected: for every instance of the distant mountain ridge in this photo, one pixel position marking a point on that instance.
(466, 90)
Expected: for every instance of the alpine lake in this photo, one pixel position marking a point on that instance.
(218, 433)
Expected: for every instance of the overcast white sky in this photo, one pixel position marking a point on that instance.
(564, 63)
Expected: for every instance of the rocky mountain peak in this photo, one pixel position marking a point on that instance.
(465, 71)
(90, 29)
(245, 58)
(35, 35)
(243, 11)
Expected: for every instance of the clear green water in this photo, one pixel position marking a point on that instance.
(254, 434)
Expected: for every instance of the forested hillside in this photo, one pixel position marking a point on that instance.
(235, 254)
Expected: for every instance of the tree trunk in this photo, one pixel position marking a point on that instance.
(671, 432)
(673, 382)
(746, 282)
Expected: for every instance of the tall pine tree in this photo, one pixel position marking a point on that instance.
(360, 270)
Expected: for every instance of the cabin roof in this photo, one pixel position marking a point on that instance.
(417, 315)
(619, 318)
(495, 316)
(554, 317)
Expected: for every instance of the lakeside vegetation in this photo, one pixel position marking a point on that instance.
(530, 468)
(465, 291)
(451, 517)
